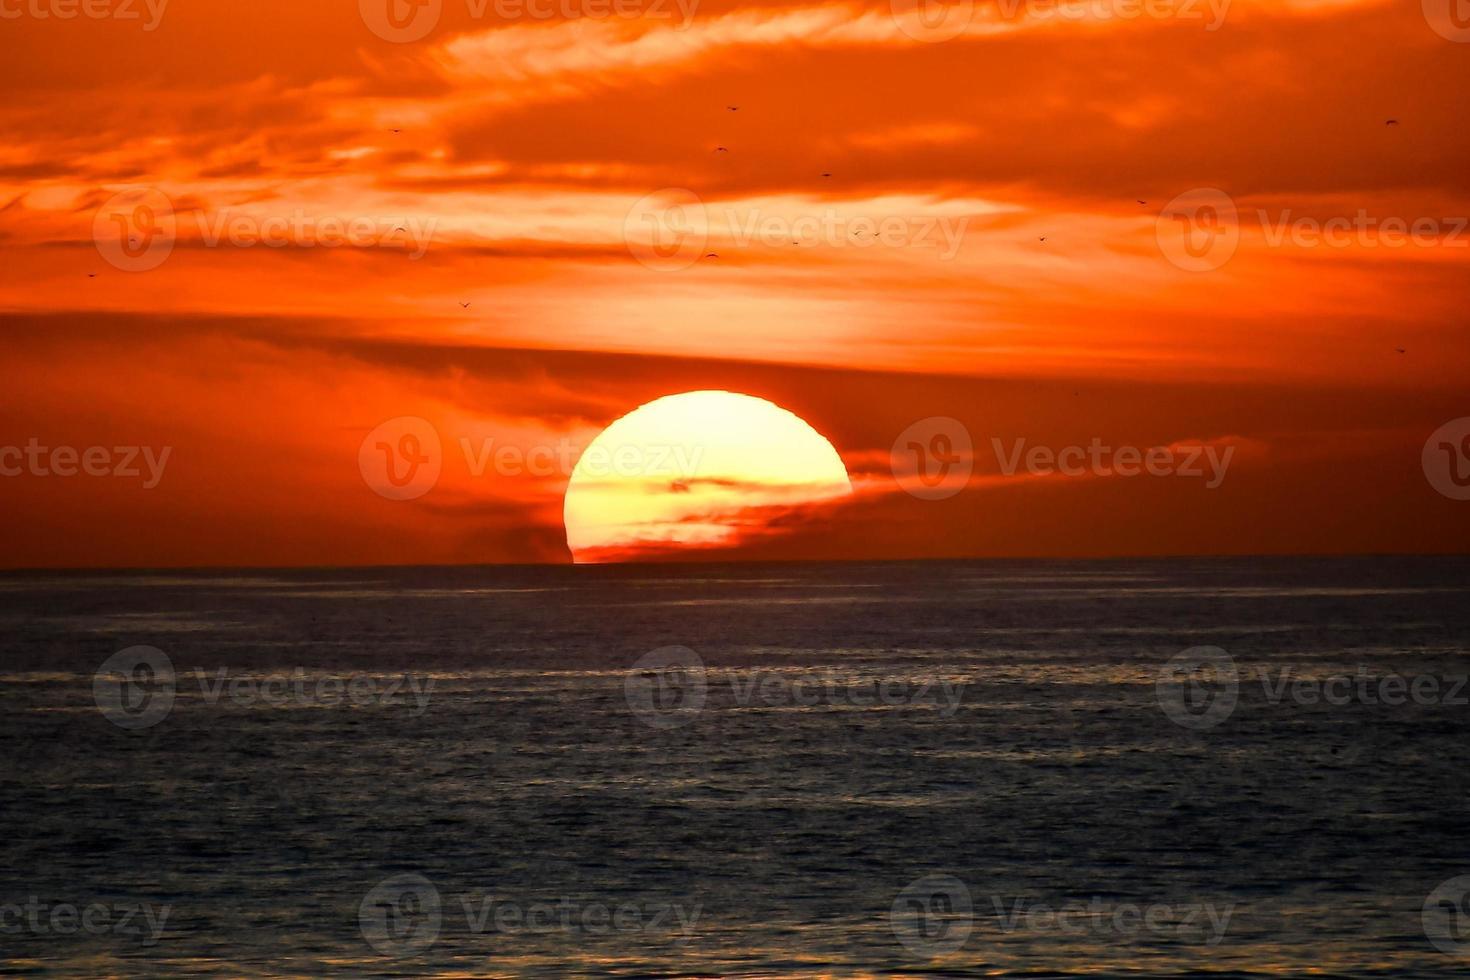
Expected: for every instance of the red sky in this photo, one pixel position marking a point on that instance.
(913, 282)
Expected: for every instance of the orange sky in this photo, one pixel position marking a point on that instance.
(529, 157)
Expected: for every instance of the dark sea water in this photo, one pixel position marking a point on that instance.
(910, 769)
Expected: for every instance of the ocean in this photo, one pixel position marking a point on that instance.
(1233, 767)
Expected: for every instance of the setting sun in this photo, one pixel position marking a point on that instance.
(695, 470)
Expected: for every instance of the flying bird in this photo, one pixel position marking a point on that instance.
(1041, 239)
(712, 255)
(1399, 350)
(1141, 202)
(721, 149)
(91, 275)
(1391, 122)
(396, 131)
(825, 174)
(733, 108)
(465, 305)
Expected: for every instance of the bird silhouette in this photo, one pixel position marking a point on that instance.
(91, 275)
(721, 149)
(733, 108)
(1041, 239)
(825, 174)
(396, 131)
(1141, 202)
(712, 255)
(1391, 122)
(1399, 350)
(465, 305)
